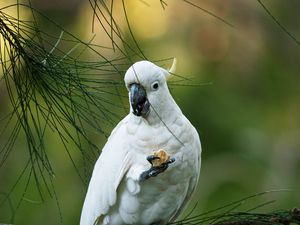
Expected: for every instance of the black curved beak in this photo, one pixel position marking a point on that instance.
(138, 99)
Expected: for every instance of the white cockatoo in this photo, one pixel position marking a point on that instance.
(150, 165)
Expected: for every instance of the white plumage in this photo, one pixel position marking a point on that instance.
(116, 193)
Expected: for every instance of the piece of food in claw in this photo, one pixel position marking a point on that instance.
(163, 157)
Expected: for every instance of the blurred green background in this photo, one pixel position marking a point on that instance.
(246, 107)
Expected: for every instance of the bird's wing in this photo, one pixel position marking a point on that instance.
(191, 188)
(192, 184)
(108, 172)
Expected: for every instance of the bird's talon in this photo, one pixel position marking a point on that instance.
(157, 166)
(169, 161)
(152, 173)
(151, 158)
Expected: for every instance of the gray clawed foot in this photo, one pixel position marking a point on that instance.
(151, 158)
(155, 170)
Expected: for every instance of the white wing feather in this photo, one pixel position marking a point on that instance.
(108, 172)
(194, 180)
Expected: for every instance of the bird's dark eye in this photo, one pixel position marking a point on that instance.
(154, 86)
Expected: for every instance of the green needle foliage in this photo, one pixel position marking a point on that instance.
(53, 89)
(229, 214)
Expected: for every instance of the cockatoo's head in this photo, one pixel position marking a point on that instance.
(147, 86)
